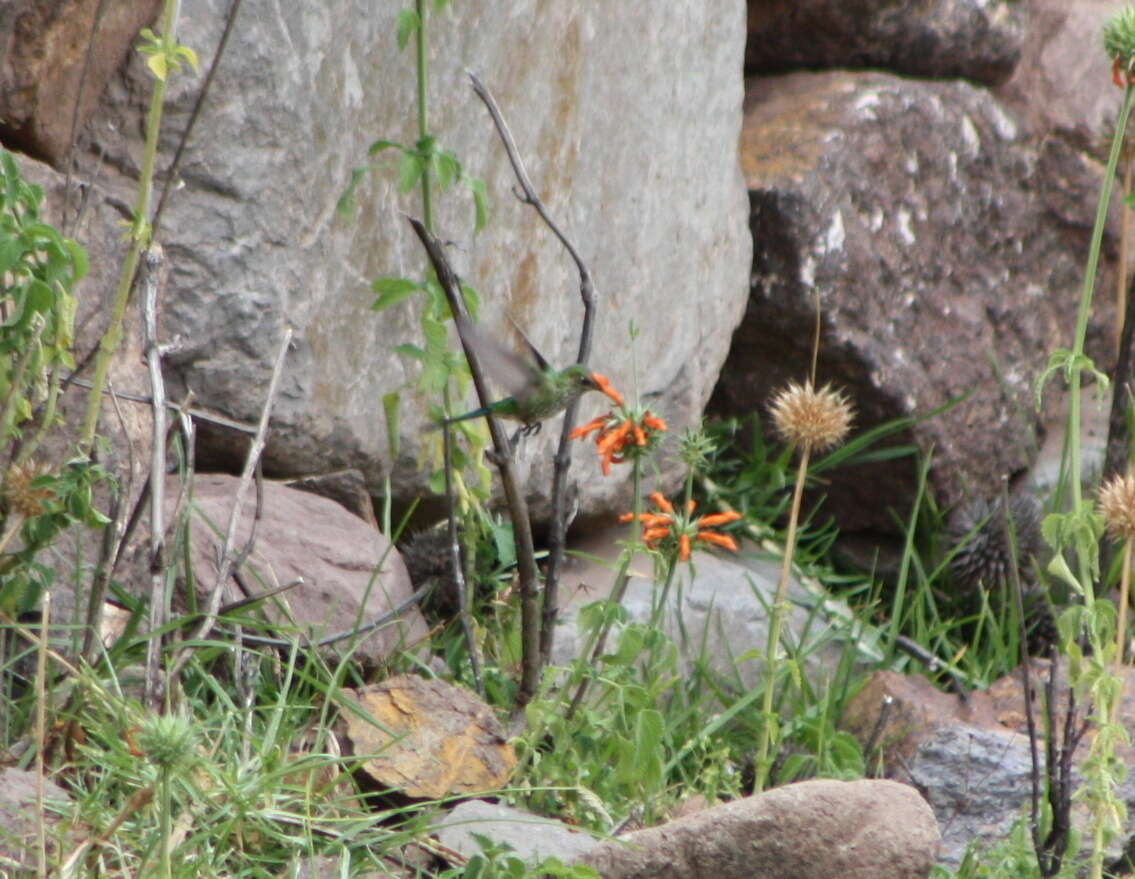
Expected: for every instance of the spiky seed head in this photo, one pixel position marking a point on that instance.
(168, 740)
(1117, 506)
(981, 550)
(1119, 36)
(695, 448)
(810, 418)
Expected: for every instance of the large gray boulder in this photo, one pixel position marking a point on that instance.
(628, 120)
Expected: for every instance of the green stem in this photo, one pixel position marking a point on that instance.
(113, 335)
(772, 660)
(421, 47)
(598, 638)
(165, 807)
(1082, 316)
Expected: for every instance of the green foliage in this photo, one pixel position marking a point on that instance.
(39, 269)
(496, 861)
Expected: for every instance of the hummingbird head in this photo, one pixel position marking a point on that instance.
(581, 378)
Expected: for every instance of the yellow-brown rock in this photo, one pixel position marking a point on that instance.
(429, 739)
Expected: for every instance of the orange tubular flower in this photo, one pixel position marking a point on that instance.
(625, 431)
(683, 528)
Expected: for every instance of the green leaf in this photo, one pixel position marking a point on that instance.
(409, 171)
(392, 291)
(11, 249)
(346, 204)
(79, 259)
(409, 350)
(504, 542)
(407, 24)
(472, 301)
(379, 145)
(448, 169)
(184, 53)
(158, 66)
(480, 202)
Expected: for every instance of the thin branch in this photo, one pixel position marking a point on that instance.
(73, 131)
(151, 262)
(199, 414)
(514, 497)
(175, 164)
(225, 565)
(558, 536)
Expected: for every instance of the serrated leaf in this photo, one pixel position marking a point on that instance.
(407, 23)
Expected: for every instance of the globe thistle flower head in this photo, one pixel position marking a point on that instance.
(1117, 506)
(813, 419)
(982, 554)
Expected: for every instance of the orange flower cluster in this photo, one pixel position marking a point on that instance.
(620, 433)
(658, 527)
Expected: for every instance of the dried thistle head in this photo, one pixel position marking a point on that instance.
(1117, 506)
(20, 493)
(810, 418)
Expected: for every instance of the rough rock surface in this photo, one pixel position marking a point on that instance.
(971, 759)
(942, 268)
(1062, 85)
(43, 53)
(302, 535)
(810, 830)
(18, 817)
(628, 124)
(974, 39)
(427, 738)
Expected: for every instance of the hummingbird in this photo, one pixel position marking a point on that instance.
(538, 389)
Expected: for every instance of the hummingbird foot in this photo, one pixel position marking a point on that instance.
(531, 429)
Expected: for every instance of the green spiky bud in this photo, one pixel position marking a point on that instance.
(1119, 37)
(167, 740)
(695, 448)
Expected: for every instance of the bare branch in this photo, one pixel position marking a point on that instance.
(514, 497)
(225, 565)
(558, 536)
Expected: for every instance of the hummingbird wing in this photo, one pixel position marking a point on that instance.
(543, 364)
(517, 376)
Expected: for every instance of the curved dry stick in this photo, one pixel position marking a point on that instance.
(557, 537)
